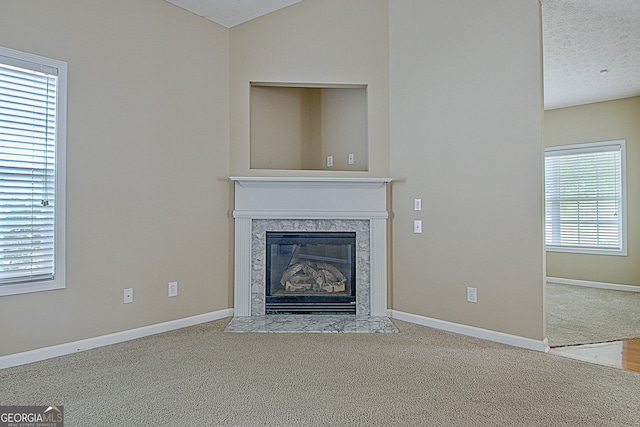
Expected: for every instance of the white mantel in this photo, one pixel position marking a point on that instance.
(311, 198)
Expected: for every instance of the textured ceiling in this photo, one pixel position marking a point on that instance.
(581, 38)
(230, 13)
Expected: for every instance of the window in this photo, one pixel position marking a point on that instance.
(585, 198)
(32, 172)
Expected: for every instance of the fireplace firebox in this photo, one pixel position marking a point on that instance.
(310, 273)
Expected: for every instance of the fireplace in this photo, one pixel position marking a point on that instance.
(314, 207)
(310, 273)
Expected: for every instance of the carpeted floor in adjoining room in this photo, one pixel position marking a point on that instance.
(201, 376)
(582, 315)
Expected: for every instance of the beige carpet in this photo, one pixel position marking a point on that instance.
(580, 315)
(201, 376)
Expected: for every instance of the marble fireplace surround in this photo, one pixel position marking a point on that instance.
(310, 204)
(258, 250)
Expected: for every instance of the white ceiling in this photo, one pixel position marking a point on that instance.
(583, 37)
(580, 38)
(230, 13)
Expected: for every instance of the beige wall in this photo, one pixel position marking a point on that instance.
(151, 147)
(147, 159)
(466, 137)
(603, 121)
(344, 127)
(327, 42)
(280, 127)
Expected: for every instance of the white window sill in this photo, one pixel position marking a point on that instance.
(25, 288)
(591, 251)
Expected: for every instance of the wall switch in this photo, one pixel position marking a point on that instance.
(352, 158)
(417, 226)
(417, 204)
(173, 289)
(128, 295)
(472, 294)
(329, 161)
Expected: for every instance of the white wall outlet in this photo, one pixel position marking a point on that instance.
(417, 226)
(352, 158)
(173, 289)
(472, 294)
(417, 204)
(329, 161)
(128, 295)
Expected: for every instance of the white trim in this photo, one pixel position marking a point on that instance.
(47, 65)
(472, 331)
(583, 147)
(241, 268)
(378, 266)
(104, 340)
(312, 197)
(589, 251)
(298, 214)
(60, 270)
(590, 147)
(29, 287)
(590, 284)
(309, 85)
(269, 180)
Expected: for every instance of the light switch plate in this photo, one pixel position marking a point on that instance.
(472, 294)
(173, 289)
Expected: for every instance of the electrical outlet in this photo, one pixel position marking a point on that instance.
(417, 226)
(173, 289)
(352, 158)
(472, 294)
(329, 161)
(128, 295)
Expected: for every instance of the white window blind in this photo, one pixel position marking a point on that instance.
(28, 137)
(584, 198)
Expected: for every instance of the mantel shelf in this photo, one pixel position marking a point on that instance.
(308, 179)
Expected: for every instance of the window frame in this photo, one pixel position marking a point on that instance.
(586, 147)
(59, 279)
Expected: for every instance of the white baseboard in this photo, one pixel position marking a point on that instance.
(118, 337)
(472, 331)
(589, 284)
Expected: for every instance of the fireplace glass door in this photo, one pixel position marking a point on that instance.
(310, 273)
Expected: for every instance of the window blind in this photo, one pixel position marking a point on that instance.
(28, 102)
(583, 196)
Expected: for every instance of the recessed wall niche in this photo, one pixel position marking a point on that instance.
(296, 127)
